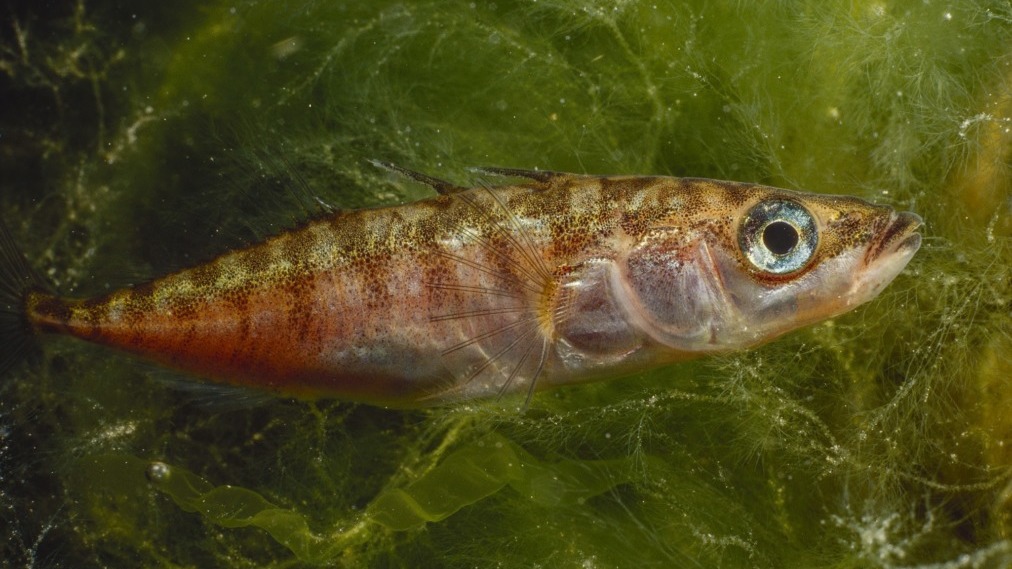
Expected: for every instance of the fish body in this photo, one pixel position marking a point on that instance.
(478, 292)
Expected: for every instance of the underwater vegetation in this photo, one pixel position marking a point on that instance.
(138, 140)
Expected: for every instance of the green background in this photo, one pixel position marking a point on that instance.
(138, 139)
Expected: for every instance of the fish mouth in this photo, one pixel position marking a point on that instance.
(886, 256)
(899, 236)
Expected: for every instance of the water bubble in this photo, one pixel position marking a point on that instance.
(158, 472)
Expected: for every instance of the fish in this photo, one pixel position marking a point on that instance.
(548, 279)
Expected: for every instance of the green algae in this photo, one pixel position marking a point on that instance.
(140, 141)
(468, 475)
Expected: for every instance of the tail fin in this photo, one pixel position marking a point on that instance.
(17, 278)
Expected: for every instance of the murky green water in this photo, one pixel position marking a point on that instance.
(134, 141)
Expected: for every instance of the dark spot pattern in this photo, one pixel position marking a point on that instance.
(271, 314)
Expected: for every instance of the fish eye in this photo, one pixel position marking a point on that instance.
(778, 236)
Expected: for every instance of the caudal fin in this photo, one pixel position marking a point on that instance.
(17, 278)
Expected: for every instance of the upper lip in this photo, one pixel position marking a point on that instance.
(899, 233)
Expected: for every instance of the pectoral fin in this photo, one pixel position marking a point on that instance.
(501, 292)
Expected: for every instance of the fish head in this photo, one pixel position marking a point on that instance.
(758, 262)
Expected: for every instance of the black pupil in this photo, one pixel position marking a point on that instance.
(780, 237)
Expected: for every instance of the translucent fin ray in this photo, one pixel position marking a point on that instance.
(17, 278)
(503, 347)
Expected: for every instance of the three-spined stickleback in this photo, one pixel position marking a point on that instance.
(481, 291)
